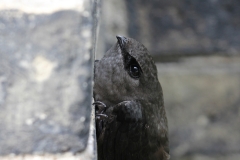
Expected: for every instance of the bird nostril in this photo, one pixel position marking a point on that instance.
(96, 108)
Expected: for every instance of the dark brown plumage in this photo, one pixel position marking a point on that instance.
(131, 121)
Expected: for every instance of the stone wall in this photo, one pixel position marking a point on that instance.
(46, 54)
(177, 27)
(202, 100)
(196, 48)
(46, 64)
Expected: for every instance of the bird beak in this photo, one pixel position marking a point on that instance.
(121, 41)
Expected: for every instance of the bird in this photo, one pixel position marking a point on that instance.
(130, 117)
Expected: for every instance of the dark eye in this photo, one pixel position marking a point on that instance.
(134, 70)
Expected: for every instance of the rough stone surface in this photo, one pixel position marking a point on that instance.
(202, 100)
(173, 27)
(200, 80)
(46, 77)
(201, 92)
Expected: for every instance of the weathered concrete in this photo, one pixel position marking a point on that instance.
(201, 88)
(46, 51)
(202, 100)
(176, 27)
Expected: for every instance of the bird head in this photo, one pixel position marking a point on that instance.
(126, 72)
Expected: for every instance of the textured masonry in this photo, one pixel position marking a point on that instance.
(46, 55)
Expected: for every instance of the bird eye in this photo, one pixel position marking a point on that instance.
(134, 71)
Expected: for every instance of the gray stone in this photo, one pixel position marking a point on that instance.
(201, 85)
(46, 76)
(188, 27)
(202, 104)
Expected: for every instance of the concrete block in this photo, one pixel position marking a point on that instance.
(175, 27)
(202, 100)
(46, 50)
